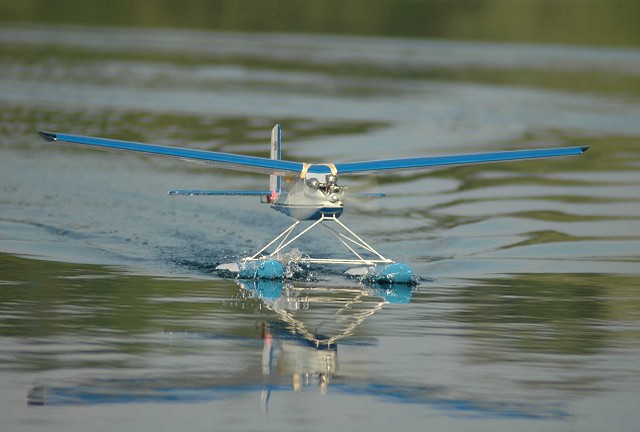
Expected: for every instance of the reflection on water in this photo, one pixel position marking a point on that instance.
(523, 348)
(355, 305)
(292, 355)
(293, 358)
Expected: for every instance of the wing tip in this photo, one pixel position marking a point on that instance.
(48, 136)
(584, 148)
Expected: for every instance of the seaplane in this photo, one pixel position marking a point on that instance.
(307, 192)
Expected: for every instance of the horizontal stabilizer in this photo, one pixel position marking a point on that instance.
(219, 192)
(368, 194)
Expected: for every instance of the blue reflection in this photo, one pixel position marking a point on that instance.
(204, 389)
(392, 293)
(263, 289)
(271, 290)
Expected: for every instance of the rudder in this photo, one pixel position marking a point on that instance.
(276, 153)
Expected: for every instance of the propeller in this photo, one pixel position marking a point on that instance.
(364, 195)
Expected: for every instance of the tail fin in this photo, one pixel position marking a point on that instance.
(276, 153)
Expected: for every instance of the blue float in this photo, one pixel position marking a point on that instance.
(263, 269)
(395, 273)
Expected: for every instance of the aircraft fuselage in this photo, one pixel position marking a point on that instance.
(310, 198)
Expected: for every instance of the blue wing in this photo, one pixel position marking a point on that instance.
(421, 163)
(283, 167)
(210, 158)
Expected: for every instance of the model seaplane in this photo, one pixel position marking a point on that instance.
(309, 192)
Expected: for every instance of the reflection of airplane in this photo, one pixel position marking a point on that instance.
(310, 191)
(293, 359)
(354, 305)
(271, 291)
(175, 389)
(286, 353)
(291, 349)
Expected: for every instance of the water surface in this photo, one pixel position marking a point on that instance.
(527, 313)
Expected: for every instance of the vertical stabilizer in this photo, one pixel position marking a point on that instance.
(276, 153)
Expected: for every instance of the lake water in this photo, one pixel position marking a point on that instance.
(527, 315)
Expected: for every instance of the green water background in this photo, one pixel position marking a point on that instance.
(584, 22)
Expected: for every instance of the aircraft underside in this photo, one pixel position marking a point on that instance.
(308, 211)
